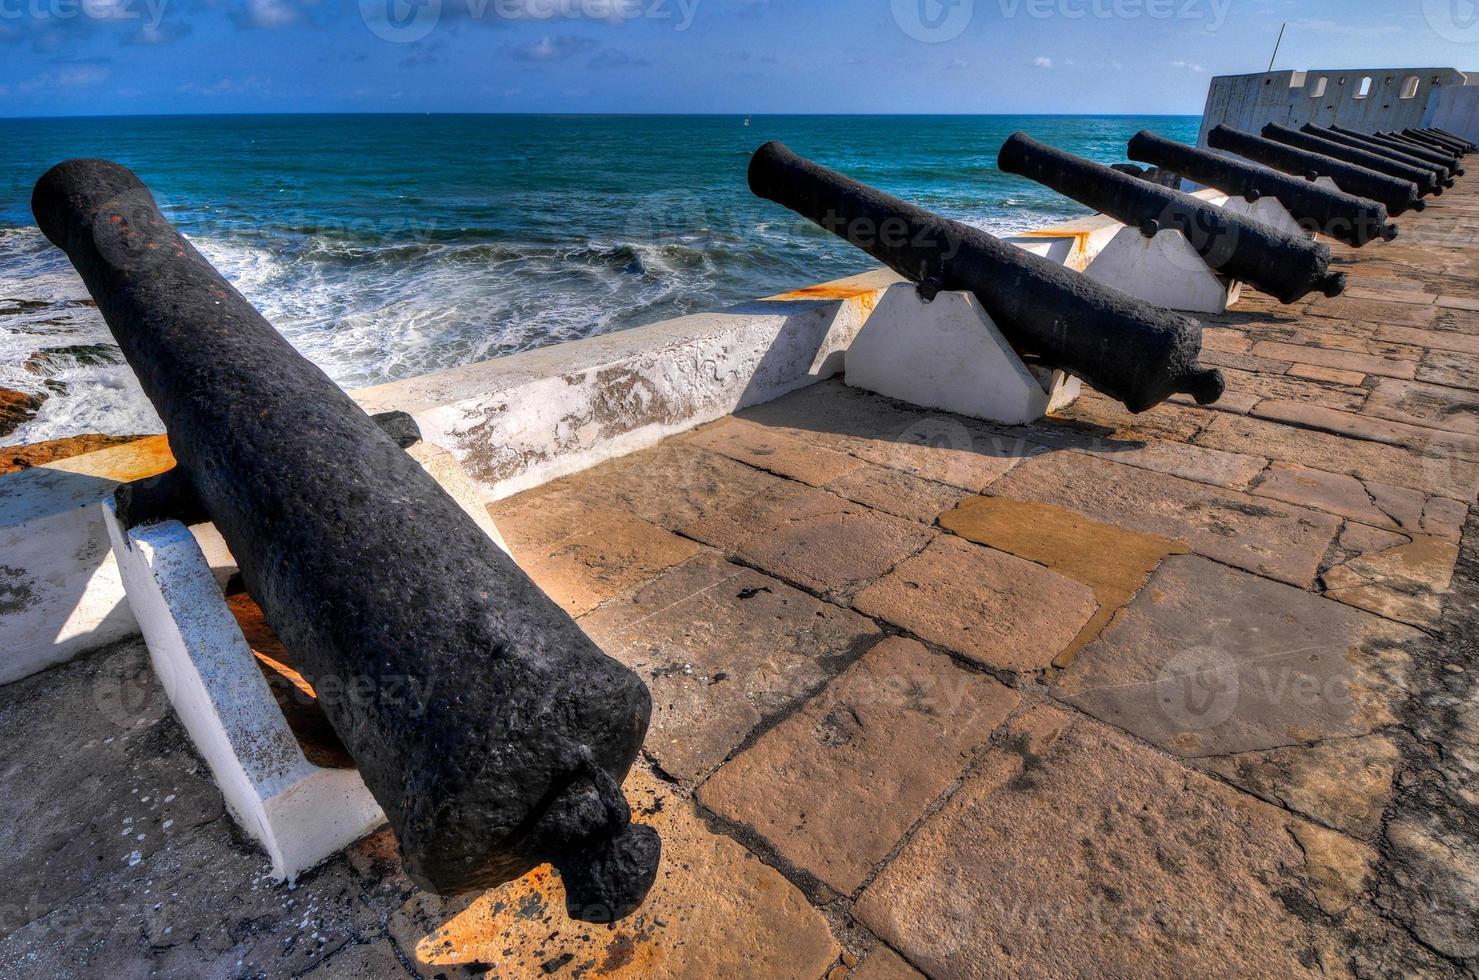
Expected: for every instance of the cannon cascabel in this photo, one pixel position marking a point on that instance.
(493, 732)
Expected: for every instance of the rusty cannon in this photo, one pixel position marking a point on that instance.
(1441, 172)
(1443, 158)
(1399, 196)
(508, 736)
(1426, 180)
(1280, 264)
(1345, 217)
(1128, 349)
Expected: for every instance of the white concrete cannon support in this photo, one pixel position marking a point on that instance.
(299, 812)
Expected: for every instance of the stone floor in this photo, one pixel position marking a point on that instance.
(1184, 693)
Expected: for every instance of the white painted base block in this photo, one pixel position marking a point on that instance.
(1164, 271)
(948, 354)
(1268, 211)
(173, 576)
(299, 812)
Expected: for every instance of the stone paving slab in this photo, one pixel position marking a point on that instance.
(1110, 560)
(835, 786)
(1208, 660)
(723, 648)
(1073, 851)
(715, 911)
(1278, 540)
(1006, 614)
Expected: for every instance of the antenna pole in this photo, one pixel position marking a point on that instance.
(1276, 45)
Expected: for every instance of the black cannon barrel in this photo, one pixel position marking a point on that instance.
(1442, 158)
(1126, 348)
(1409, 145)
(494, 733)
(1426, 139)
(1461, 141)
(1282, 265)
(1436, 139)
(1443, 136)
(1440, 171)
(1346, 217)
(1426, 180)
(1399, 196)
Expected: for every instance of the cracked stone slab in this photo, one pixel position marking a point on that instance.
(1341, 360)
(818, 540)
(897, 493)
(773, 450)
(1009, 615)
(1072, 850)
(1345, 783)
(1110, 560)
(1210, 661)
(669, 485)
(836, 785)
(1415, 403)
(582, 554)
(1271, 538)
(1405, 582)
(1451, 368)
(1421, 438)
(723, 648)
(714, 911)
(925, 443)
(1444, 476)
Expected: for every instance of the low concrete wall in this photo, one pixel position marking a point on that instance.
(520, 421)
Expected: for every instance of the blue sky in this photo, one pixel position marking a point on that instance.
(68, 57)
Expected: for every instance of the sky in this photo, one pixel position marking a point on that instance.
(111, 57)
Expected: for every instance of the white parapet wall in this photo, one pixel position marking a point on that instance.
(1363, 99)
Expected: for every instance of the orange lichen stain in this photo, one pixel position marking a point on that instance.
(1115, 563)
(135, 460)
(866, 296)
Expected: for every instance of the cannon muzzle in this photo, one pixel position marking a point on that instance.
(1265, 258)
(492, 731)
(1128, 349)
(1399, 196)
(1350, 219)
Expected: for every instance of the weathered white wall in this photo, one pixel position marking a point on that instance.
(1249, 102)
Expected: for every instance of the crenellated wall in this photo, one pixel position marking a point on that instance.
(1363, 99)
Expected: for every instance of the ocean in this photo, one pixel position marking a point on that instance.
(387, 246)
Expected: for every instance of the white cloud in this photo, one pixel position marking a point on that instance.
(1188, 65)
(1042, 62)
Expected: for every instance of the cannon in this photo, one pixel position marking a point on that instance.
(508, 732)
(1426, 180)
(1429, 140)
(1441, 171)
(1454, 137)
(1128, 349)
(1399, 196)
(1441, 158)
(1444, 137)
(1409, 143)
(1282, 265)
(1346, 217)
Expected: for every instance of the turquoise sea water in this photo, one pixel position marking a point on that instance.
(387, 246)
